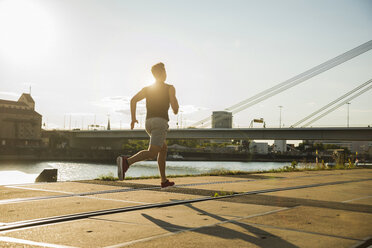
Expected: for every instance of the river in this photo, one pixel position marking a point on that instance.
(26, 171)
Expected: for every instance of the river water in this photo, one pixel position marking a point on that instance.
(26, 172)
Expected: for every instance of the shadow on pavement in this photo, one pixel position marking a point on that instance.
(260, 237)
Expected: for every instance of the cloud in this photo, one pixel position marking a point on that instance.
(311, 104)
(120, 104)
(139, 111)
(190, 109)
(119, 98)
(112, 101)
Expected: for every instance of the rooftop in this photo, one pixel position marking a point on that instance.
(28, 97)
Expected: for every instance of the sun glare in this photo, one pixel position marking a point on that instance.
(26, 31)
(146, 79)
(16, 177)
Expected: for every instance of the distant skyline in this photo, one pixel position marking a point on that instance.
(85, 59)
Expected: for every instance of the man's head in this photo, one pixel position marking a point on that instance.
(159, 73)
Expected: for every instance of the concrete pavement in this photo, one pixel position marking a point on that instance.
(298, 209)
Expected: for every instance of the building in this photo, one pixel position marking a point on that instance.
(259, 147)
(353, 146)
(20, 124)
(280, 146)
(221, 119)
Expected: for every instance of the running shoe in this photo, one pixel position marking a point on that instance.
(167, 184)
(123, 166)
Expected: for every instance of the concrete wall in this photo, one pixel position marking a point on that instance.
(98, 144)
(259, 147)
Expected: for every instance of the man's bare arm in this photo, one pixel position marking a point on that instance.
(133, 106)
(173, 99)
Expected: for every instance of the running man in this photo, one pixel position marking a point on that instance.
(158, 98)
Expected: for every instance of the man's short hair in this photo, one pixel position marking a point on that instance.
(157, 69)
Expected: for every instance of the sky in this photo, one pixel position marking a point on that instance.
(85, 59)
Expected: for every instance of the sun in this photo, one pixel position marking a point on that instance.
(26, 31)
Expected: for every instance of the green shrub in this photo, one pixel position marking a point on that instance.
(294, 164)
(107, 177)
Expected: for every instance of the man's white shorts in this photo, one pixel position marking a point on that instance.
(157, 129)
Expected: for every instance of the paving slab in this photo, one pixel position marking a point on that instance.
(8, 244)
(69, 187)
(54, 207)
(213, 223)
(13, 242)
(328, 221)
(253, 177)
(362, 200)
(292, 174)
(146, 196)
(240, 235)
(190, 215)
(87, 233)
(185, 180)
(7, 193)
(337, 193)
(126, 227)
(271, 183)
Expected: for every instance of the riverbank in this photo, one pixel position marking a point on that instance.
(308, 167)
(27, 171)
(194, 156)
(109, 156)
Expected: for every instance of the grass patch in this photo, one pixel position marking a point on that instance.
(142, 177)
(222, 193)
(212, 173)
(107, 177)
(291, 168)
(311, 167)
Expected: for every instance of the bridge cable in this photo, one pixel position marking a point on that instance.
(353, 53)
(292, 84)
(310, 73)
(338, 106)
(295, 80)
(332, 103)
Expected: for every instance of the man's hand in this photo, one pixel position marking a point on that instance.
(132, 124)
(133, 105)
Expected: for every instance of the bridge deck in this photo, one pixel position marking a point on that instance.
(330, 133)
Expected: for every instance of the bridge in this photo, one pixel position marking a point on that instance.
(329, 133)
(298, 131)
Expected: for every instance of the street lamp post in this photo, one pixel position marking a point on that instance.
(348, 104)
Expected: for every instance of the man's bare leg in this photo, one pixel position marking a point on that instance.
(151, 152)
(162, 156)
